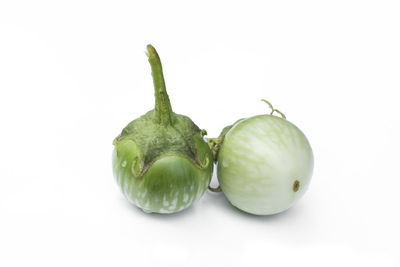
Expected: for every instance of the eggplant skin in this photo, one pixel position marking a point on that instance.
(171, 183)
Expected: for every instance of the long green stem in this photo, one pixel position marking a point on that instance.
(163, 110)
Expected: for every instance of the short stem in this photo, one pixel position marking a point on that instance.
(163, 110)
(216, 190)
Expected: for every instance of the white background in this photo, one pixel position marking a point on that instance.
(74, 73)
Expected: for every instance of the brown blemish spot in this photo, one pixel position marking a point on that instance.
(296, 186)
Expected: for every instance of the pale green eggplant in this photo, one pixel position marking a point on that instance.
(265, 163)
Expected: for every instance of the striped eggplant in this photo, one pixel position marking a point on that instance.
(160, 161)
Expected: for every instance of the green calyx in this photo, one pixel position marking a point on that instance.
(215, 143)
(160, 132)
